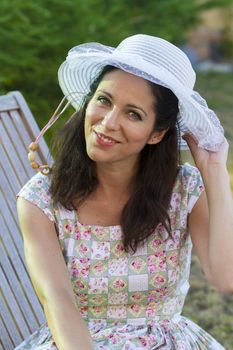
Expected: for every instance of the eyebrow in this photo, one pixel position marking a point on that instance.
(128, 105)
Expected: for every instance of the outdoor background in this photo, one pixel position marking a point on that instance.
(35, 37)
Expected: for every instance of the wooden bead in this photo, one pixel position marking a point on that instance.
(33, 146)
(45, 169)
(31, 156)
(35, 165)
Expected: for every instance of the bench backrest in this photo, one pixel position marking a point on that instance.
(20, 311)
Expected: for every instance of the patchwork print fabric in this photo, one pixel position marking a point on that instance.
(129, 301)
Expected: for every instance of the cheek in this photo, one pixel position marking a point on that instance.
(89, 109)
(92, 115)
(88, 114)
(142, 131)
(140, 134)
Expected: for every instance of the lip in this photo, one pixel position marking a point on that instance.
(100, 139)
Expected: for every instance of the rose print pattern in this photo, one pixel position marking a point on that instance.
(137, 265)
(173, 275)
(137, 297)
(100, 233)
(157, 262)
(172, 259)
(82, 232)
(99, 268)
(98, 285)
(117, 249)
(136, 310)
(80, 267)
(82, 299)
(117, 298)
(117, 312)
(118, 284)
(118, 267)
(129, 301)
(97, 299)
(100, 250)
(82, 248)
(175, 202)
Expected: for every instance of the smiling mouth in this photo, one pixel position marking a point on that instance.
(105, 139)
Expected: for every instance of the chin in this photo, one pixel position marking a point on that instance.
(96, 157)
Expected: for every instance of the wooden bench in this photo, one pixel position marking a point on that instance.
(20, 311)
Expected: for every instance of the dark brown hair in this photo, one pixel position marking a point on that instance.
(74, 176)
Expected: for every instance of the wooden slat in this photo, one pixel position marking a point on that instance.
(31, 123)
(8, 187)
(7, 166)
(8, 102)
(19, 264)
(26, 138)
(5, 337)
(12, 155)
(21, 312)
(16, 141)
(10, 233)
(16, 287)
(11, 326)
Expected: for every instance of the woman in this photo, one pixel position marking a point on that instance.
(108, 234)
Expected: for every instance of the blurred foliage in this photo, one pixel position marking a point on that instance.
(209, 4)
(227, 46)
(35, 37)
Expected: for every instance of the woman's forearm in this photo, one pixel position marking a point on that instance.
(220, 203)
(68, 328)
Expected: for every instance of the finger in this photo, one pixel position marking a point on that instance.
(190, 141)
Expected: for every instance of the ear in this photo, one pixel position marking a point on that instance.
(156, 137)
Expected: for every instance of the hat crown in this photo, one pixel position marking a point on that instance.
(162, 54)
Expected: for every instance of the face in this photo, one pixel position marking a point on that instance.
(120, 119)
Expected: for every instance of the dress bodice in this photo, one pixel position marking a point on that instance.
(129, 301)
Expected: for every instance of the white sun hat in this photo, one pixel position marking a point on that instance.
(153, 59)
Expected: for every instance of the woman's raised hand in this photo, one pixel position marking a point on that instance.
(204, 159)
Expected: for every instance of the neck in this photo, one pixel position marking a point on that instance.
(115, 181)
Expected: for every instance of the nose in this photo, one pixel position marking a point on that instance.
(111, 120)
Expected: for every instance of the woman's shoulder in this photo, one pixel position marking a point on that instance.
(38, 180)
(189, 184)
(188, 170)
(188, 174)
(37, 191)
(38, 185)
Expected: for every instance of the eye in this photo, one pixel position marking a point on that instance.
(103, 100)
(135, 115)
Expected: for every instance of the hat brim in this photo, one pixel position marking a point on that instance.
(77, 74)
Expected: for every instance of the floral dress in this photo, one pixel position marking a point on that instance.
(129, 301)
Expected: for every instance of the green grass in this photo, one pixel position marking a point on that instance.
(210, 309)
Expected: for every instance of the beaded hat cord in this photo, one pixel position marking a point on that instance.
(45, 169)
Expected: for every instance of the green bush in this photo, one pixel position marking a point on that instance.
(36, 35)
